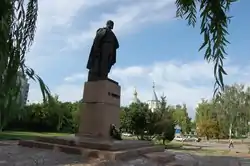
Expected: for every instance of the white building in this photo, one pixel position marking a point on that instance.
(153, 103)
(24, 88)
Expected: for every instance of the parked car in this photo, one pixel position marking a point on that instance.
(127, 134)
(179, 138)
(192, 139)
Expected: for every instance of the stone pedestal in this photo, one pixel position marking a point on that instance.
(101, 109)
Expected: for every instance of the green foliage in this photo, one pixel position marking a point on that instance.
(17, 29)
(140, 119)
(214, 28)
(146, 125)
(205, 122)
(53, 116)
(180, 116)
(165, 125)
(226, 116)
(169, 132)
(125, 120)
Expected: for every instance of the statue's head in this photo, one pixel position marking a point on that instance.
(110, 24)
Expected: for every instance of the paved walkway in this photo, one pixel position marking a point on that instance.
(14, 155)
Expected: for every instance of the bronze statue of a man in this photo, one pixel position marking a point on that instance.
(103, 53)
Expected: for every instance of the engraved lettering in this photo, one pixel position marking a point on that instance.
(114, 95)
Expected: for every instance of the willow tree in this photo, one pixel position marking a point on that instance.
(214, 28)
(17, 29)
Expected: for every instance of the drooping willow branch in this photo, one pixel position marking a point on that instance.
(17, 31)
(214, 28)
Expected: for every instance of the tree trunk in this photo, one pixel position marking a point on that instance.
(164, 141)
(230, 130)
(207, 137)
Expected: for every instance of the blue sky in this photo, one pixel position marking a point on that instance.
(154, 46)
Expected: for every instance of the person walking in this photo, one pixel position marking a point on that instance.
(231, 145)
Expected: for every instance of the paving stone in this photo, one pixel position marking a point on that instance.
(160, 157)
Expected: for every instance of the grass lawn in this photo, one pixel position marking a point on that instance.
(23, 135)
(203, 152)
(192, 149)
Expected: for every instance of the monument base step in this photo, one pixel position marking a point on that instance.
(117, 152)
(96, 143)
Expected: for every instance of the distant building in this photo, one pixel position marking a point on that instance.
(153, 104)
(135, 98)
(24, 89)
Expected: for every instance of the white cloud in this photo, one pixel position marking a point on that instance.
(66, 92)
(54, 21)
(61, 12)
(69, 92)
(127, 18)
(63, 24)
(133, 71)
(128, 13)
(35, 95)
(75, 77)
(180, 82)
